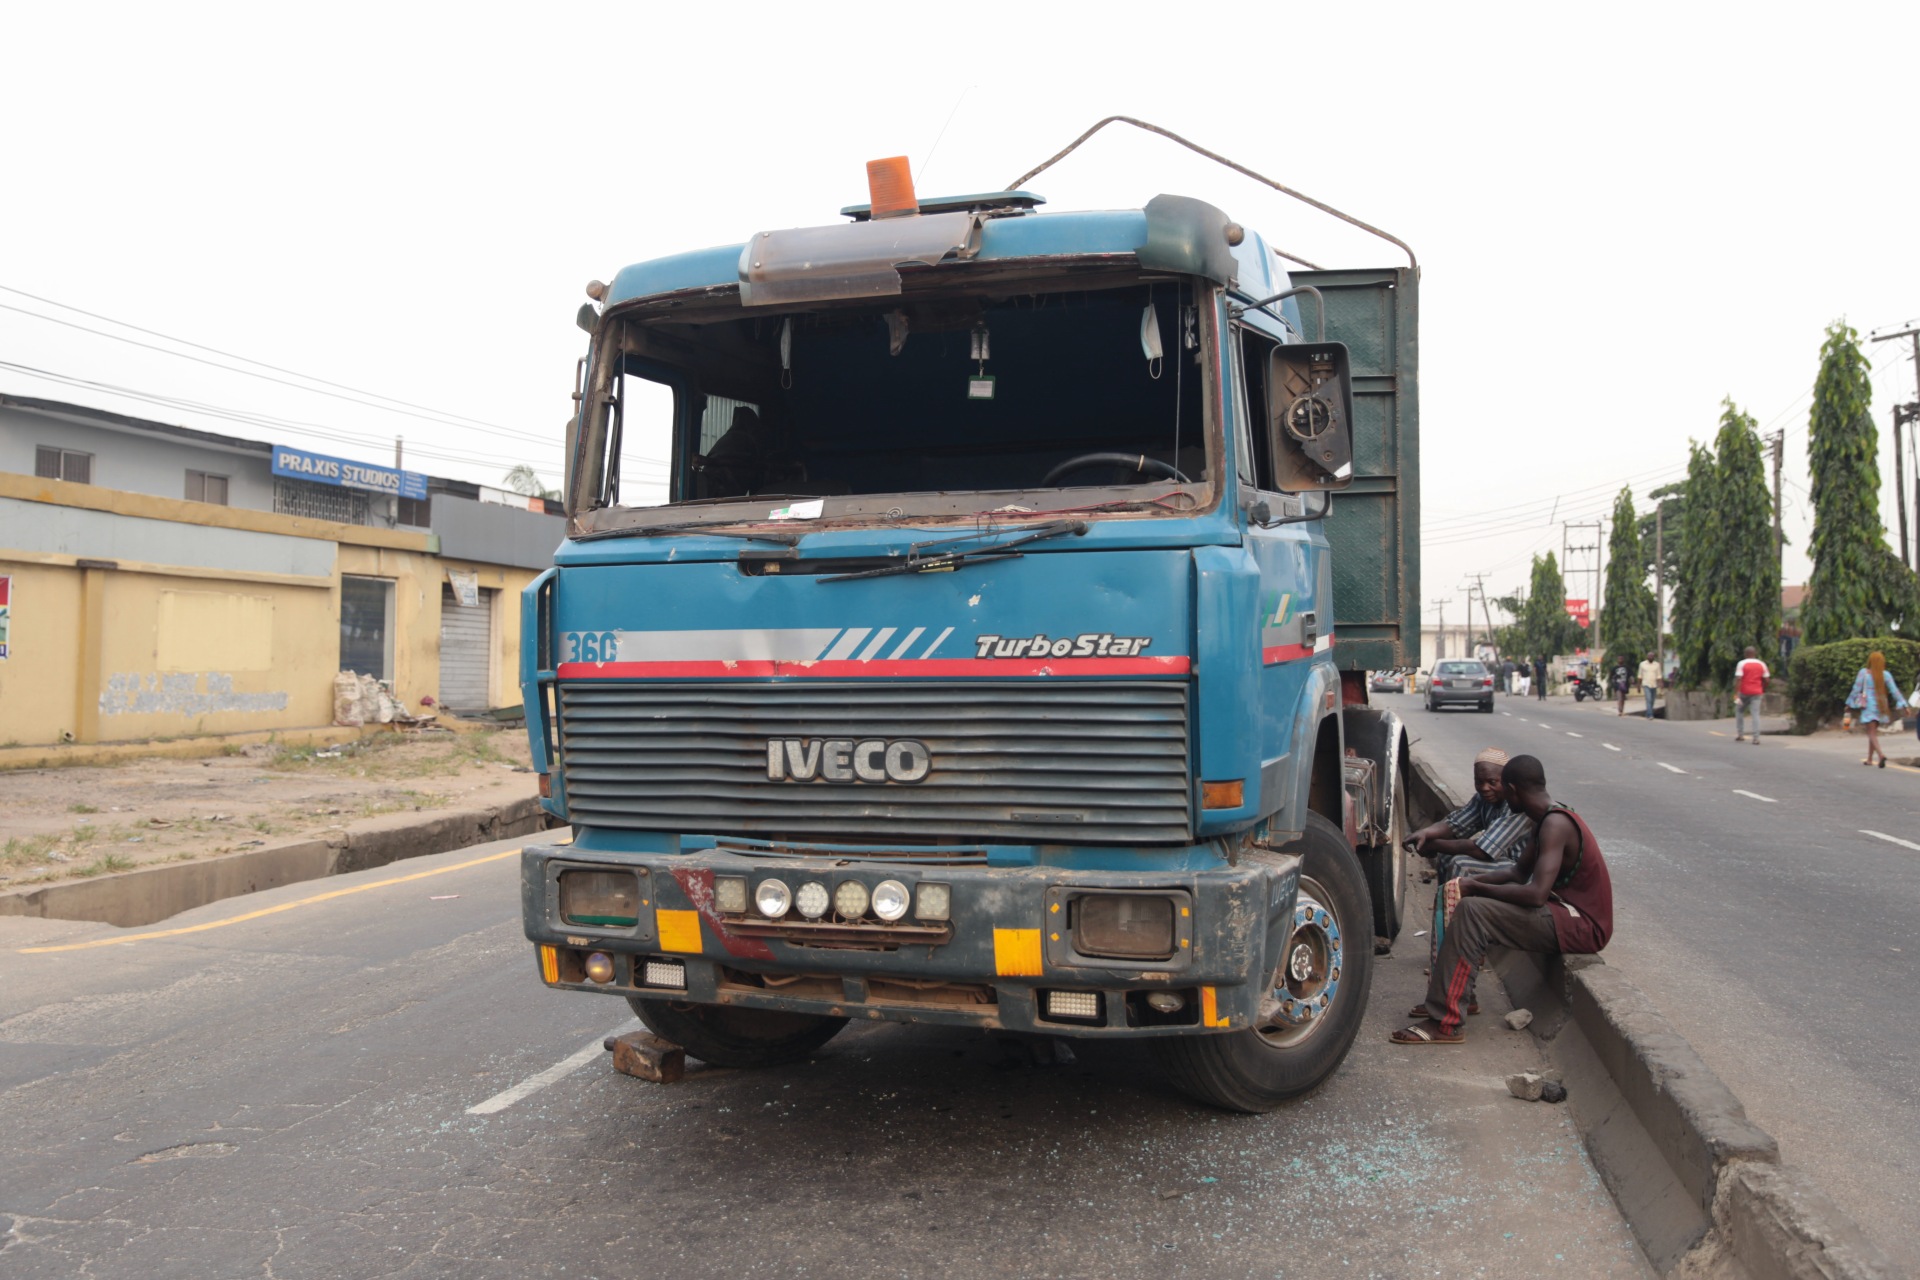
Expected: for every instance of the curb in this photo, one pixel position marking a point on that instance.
(130, 898)
(1701, 1185)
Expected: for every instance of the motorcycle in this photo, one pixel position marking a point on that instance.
(1585, 687)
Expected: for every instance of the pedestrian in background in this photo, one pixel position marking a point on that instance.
(1622, 682)
(1650, 680)
(1540, 679)
(1749, 686)
(1877, 701)
(1507, 668)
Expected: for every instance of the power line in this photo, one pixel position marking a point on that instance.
(444, 421)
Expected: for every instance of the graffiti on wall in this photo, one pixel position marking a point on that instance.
(188, 693)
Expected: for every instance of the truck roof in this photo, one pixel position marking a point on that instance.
(1170, 233)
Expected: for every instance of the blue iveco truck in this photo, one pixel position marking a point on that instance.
(963, 619)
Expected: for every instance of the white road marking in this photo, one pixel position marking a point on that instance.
(1506, 713)
(1669, 767)
(1881, 835)
(552, 1075)
(1609, 746)
(1572, 734)
(1755, 795)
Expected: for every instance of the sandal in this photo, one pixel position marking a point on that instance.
(1418, 1034)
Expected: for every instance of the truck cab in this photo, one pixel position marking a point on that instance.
(963, 619)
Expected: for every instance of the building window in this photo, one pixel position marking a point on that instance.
(62, 464)
(202, 487)
(366, 626)
(320, 502)
(416, 513)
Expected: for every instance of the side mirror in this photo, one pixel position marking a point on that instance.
(1310, 416)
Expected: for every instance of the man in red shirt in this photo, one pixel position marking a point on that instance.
(1749, 683)
(1558, 897)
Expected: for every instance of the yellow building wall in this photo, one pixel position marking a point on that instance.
(143, 651)
(39, 677)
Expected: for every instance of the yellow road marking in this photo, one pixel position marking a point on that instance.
(266, 911)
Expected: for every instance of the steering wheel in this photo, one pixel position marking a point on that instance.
(1137, 461)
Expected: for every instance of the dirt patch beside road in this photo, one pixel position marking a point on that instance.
(67, 824)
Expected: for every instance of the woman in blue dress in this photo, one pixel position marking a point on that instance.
(1878, 703)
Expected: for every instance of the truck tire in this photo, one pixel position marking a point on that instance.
(1385, 866)
(1320, 994)
(730, 1037)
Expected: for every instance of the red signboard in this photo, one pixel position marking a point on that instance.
(1577, 610)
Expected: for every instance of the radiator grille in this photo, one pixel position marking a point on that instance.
(1083, 762)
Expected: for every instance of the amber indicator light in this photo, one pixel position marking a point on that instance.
(890, 188)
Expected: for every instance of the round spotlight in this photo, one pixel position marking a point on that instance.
(1166, 1001)
(850, 899)
(773, 898)
(890, 900)
(812, 900)
(599, 967)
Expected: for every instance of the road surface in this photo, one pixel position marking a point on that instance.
(1766, 898)
(363, 1076)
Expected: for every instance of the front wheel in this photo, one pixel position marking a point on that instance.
(1317, 997)
(730, 1037)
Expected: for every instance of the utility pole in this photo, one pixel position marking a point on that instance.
(1486, 614)
(1590, 570)
(1904, 415)
(399, 452)
(1660, 582)
(1779, 442)
(1440, 636)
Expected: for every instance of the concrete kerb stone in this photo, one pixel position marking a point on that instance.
(130, 898)
(1700, 1184)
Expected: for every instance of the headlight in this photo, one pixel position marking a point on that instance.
(773, 898)
(933, 902)
(890, 900)
(850, 899)
(600, 899)
(730, 895)
(812, 900)
(1125, 926)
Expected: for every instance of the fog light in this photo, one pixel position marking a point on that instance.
(812, 900)
(1126, 926)
(1166, 1001)
(671, 973)
(933, 902)
(1084, 1005)
(730, 895)
(600, 899)
(890, 900)
(850, 899)
(773, 898)
(599, 967)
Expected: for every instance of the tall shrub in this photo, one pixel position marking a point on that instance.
(1695, 563)
(1630, 620)
(1743, 596)
(1846, 596)
(1545, 623)
(1823, 675)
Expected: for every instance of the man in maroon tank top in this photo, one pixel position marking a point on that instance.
(1558, 897)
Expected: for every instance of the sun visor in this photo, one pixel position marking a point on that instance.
(1190, 237)
(849, 260)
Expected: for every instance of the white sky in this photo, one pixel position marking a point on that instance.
(1623, 213)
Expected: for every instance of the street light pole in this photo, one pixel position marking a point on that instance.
(1904, 415)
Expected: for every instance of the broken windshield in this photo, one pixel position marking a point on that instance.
(948, 404)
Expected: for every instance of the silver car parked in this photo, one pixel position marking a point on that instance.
(1460, 682)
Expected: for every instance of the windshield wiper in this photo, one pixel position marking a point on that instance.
(919, 561)
(692, 527)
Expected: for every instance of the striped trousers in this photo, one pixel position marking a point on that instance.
(1478, 924)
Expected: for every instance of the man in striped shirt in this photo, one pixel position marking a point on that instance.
(1483, 835)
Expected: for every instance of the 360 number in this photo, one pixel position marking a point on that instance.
(593, 646)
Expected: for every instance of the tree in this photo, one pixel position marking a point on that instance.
(1631, 617)
(1693, 566)
(524, 480)
(1744, 595)
(1858, 587)
(1544, 622)
(1659, 536)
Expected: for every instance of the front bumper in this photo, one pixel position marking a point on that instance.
(1008, 946)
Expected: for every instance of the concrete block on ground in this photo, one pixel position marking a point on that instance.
(647, 1057)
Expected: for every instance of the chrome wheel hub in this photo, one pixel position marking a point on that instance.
(1309, 975)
